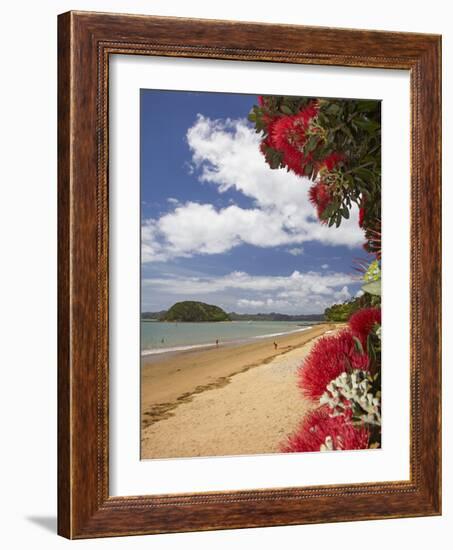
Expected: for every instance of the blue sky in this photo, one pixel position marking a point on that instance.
(218, 225)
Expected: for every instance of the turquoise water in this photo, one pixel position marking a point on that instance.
(164, 337)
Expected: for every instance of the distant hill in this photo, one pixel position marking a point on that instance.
(275, 317)
(162, 315)
(153, 315)
(184, 312)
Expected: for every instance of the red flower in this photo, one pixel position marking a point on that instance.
(329, 357)
(288, 135)
(269, 141)
(361, 216)
(332, 160)
(319, 196)
(260, 101)
(295, 161)
(362, 322)
(318, 426)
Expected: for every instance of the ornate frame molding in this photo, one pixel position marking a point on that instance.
(86, 40)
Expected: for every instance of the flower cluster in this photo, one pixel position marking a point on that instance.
(320, 198)
(373, 273)
(329, 357)
(319, 431)
(288, 134)
(363, 321)
(351, 395)
(336, 375)
(335, 144)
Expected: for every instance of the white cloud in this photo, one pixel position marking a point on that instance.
(324, 266)
(297, 251)
(244, 303)
(296, 293)
(225, 154)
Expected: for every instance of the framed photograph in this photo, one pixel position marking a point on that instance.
(249, 275)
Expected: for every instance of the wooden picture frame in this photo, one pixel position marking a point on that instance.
(85, 42)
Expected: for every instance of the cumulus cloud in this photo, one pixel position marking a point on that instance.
(251, 304)
(295, 293)
(225, 154)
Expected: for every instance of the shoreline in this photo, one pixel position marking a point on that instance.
(151, 352)
(173, 380)
(246, 402)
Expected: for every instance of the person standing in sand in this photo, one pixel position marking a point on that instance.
(217, 342)
(275, 346)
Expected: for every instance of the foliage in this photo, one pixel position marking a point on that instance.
(372, 279)
(336, 143)
(195, 312)
(340, 313)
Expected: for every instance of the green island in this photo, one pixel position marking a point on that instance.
(196, 312)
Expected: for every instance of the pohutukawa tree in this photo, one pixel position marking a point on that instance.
(335, 143)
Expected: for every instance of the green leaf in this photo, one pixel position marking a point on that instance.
(322, 119)
(370, 348)
(358, 345)
(369, 125)
(330, 209)
(308, 169)
(364, 174)
(311, 144)
(373, 288)
(368, 105)
(285, 109)
(333, 109)
(345, 212)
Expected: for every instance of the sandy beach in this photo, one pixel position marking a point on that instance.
(240, 399)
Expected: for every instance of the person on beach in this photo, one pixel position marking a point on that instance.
(217, 342)
(275, 345)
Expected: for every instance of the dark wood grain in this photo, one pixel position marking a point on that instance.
(64, 367)
(85, 42)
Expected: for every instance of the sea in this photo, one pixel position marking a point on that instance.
(157, 337)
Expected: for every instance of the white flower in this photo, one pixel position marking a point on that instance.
(353, 391)
(327, 445)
